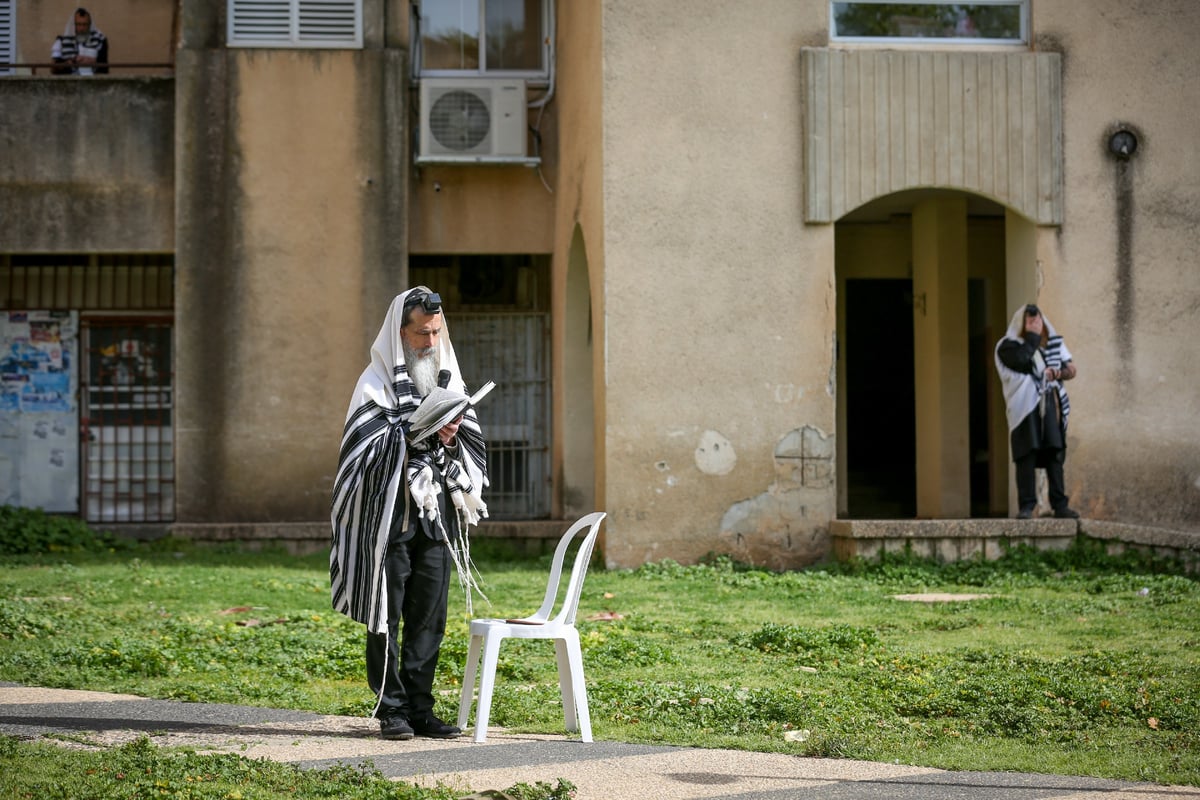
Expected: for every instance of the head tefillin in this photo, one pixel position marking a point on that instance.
(429, 301)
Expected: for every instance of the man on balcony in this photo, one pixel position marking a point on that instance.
(81, 49)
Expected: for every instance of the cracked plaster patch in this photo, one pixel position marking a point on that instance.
(715, 454)
(793, 514)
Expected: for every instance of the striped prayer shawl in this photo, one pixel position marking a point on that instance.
(94, 45)
(1057, 355)
(1023, 391)
(365, 494)
(371, 489)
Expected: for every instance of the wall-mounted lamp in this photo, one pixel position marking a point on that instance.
(1123, 143)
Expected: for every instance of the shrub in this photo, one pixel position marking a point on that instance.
(26, 531)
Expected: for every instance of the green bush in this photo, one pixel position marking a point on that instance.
(27, 531)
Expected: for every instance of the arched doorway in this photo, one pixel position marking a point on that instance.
(924, 279)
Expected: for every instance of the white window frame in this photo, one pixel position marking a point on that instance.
(8, 35)
(931, 40)
(295, 24)
(537, 77)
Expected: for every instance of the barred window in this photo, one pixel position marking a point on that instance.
(8, 35)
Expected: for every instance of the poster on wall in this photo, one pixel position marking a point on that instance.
(39, 413)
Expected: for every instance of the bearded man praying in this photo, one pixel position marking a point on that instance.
(81, 49)
(401, 513)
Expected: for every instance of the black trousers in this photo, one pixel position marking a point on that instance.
(403, 662)
(1052, 462)
(1041, 443)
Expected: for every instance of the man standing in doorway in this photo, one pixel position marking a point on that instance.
(401, 510)
(1033, 362)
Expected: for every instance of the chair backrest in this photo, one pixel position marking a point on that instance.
(566, 613)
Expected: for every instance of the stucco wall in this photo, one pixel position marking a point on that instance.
(299, 207)
(493, 209)
(1130, 312)
(674, 145)
(719, 301)
(578, 263)
(70, 184)
(292, 242)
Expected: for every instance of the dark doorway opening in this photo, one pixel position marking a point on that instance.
(881, 450)
(982, 378)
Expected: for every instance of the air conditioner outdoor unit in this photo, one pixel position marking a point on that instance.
(474, 120)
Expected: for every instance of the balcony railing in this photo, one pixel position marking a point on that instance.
(47, 68)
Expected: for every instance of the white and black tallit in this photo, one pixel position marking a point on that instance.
(93, 44)
(1023, 390)
(379, 475)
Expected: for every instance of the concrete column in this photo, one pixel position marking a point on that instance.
(1021, 287)
(940, 345)
(574, 415)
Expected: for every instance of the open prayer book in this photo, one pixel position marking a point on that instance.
(441, 407)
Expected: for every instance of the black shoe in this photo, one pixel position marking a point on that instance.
(435, 728)
(395, 727)
(1025, 513)
(1066, 513)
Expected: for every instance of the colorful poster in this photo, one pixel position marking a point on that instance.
(39, 418)
(35, 368)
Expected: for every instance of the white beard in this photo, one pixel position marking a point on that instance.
(423, 371)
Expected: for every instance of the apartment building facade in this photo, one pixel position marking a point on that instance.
(737, 270)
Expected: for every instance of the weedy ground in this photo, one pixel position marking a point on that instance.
(1076, 662)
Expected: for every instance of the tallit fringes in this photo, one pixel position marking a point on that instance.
(460, 553)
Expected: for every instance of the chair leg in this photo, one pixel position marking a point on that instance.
(468, 684)
(566, 685)
(574, 690)
(581, 701)
(487, 680)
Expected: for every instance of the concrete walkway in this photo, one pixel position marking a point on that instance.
(600, 770)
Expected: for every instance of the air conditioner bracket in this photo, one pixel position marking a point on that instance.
(514, 161)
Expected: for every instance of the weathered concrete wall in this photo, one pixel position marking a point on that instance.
(719, 302)
(88, 165)
(492, 209)
(292, 240)
(1120, 278)
(298, 209)
(281, 178)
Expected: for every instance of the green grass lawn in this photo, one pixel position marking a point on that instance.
(1077, 663)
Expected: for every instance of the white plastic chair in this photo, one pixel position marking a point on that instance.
(486, 635)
